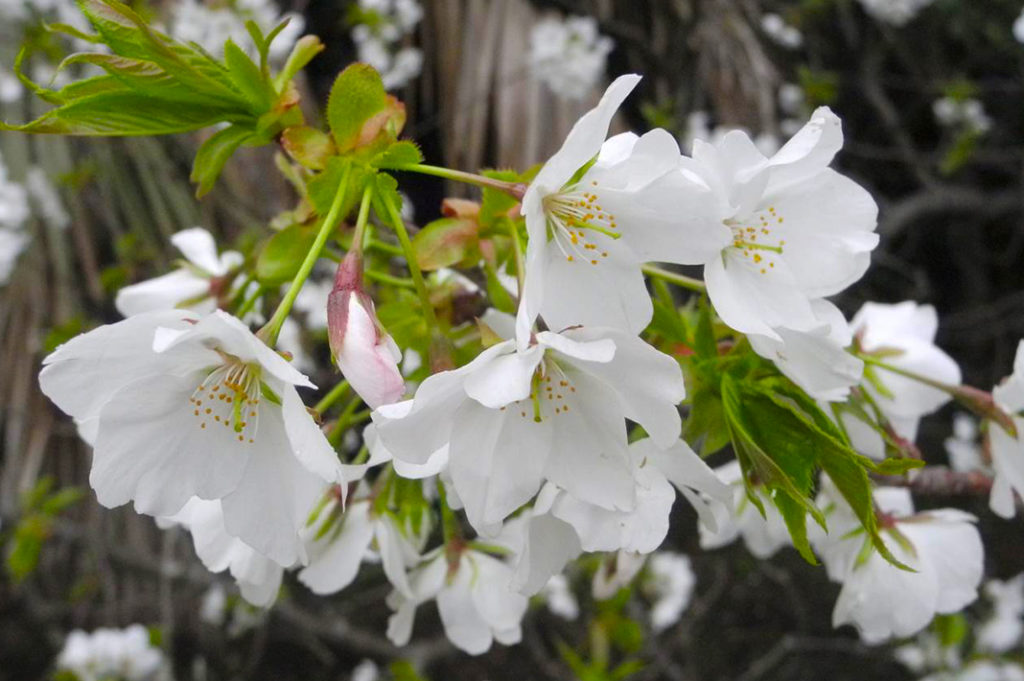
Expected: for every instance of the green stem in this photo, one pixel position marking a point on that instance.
(249, 302)
(342, 424)
(515, 189)
(364, 216)
(272, 328)
(395, 218)
(938, 385)
(383, 278)
(517, 249)
(336, 393)
(673, 278)
(449, 523)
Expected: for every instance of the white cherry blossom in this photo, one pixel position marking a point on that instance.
(590, 233)
(569, 55)
(554, 411)
(335, 557)
(670, 583)
(895, 12)
(191, 286)
(1004, 629)
(883, 601)
(1008, 451)
(474, 598)
(796, 229)
(178, 406)
(124, 654)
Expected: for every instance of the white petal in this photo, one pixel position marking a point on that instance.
(754, 302)
(82, 374)
(596, 292)
(497, 459)
(165, 292)
(809, 150)
(829, 223)
(307, 442)
(500, 606)
(463, 623)
(151, 449)
(333, 568)
(392, 554)
(506, 379)
(199, 248)
(589, 458)
(648, 384)
(550, 544)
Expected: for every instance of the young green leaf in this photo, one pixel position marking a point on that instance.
(282, 255)
(357, 96)
(445, 242)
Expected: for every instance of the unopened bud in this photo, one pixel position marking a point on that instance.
(365, 353)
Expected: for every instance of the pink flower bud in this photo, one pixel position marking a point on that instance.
(365, 353)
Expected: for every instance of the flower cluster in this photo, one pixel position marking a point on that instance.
(212, 25)
(569, 54)
(549, 426)
(379, 29)
(123, 654)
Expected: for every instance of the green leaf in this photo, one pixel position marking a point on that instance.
(248, 78)
(214, 154)
(951, 629)
(895, 466)
(357, 95)
(398, 154)
(309, 146)
(305, 49)
(281, 256)
(704, 344)
(324, 186)
(706, 425)
(445, 242)
(499, 296)
(795, 515)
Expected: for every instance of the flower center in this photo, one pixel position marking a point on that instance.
(753, 238)
(229, 397)
(577, 223)
(550, 395)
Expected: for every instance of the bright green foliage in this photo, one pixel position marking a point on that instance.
(357, 96)
(39, 508)
(154, 85)
(280, 258)
(446, 242)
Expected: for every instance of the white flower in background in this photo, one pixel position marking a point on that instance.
(895, 12)
(382, 28)
(795, 230)
(12, 244)
(615, 573)
(1018, 28)
(11, 89)
(966, 113)
(122, 654)
(927, 653)
(365, 352)
(903, 336)
(341, 540)
(258, 577)
(569, 55)
(1003, 630)
(474, 598)
(367, 670)
(669, 585)
(560, 599)
(740, 518)
(783, 34)
(791, 98)
(590, 235)
(554, 411)
(213, 608)
(312, 300)
(289, 340)
(192, 286)
(47, 200)
(1008, 451)
(14, 206)
(212, 26)
(981, 670)
(942, 546)
(816, 359)
(159, 393)
(964, 447)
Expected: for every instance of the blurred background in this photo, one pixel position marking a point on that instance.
(931, 95)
